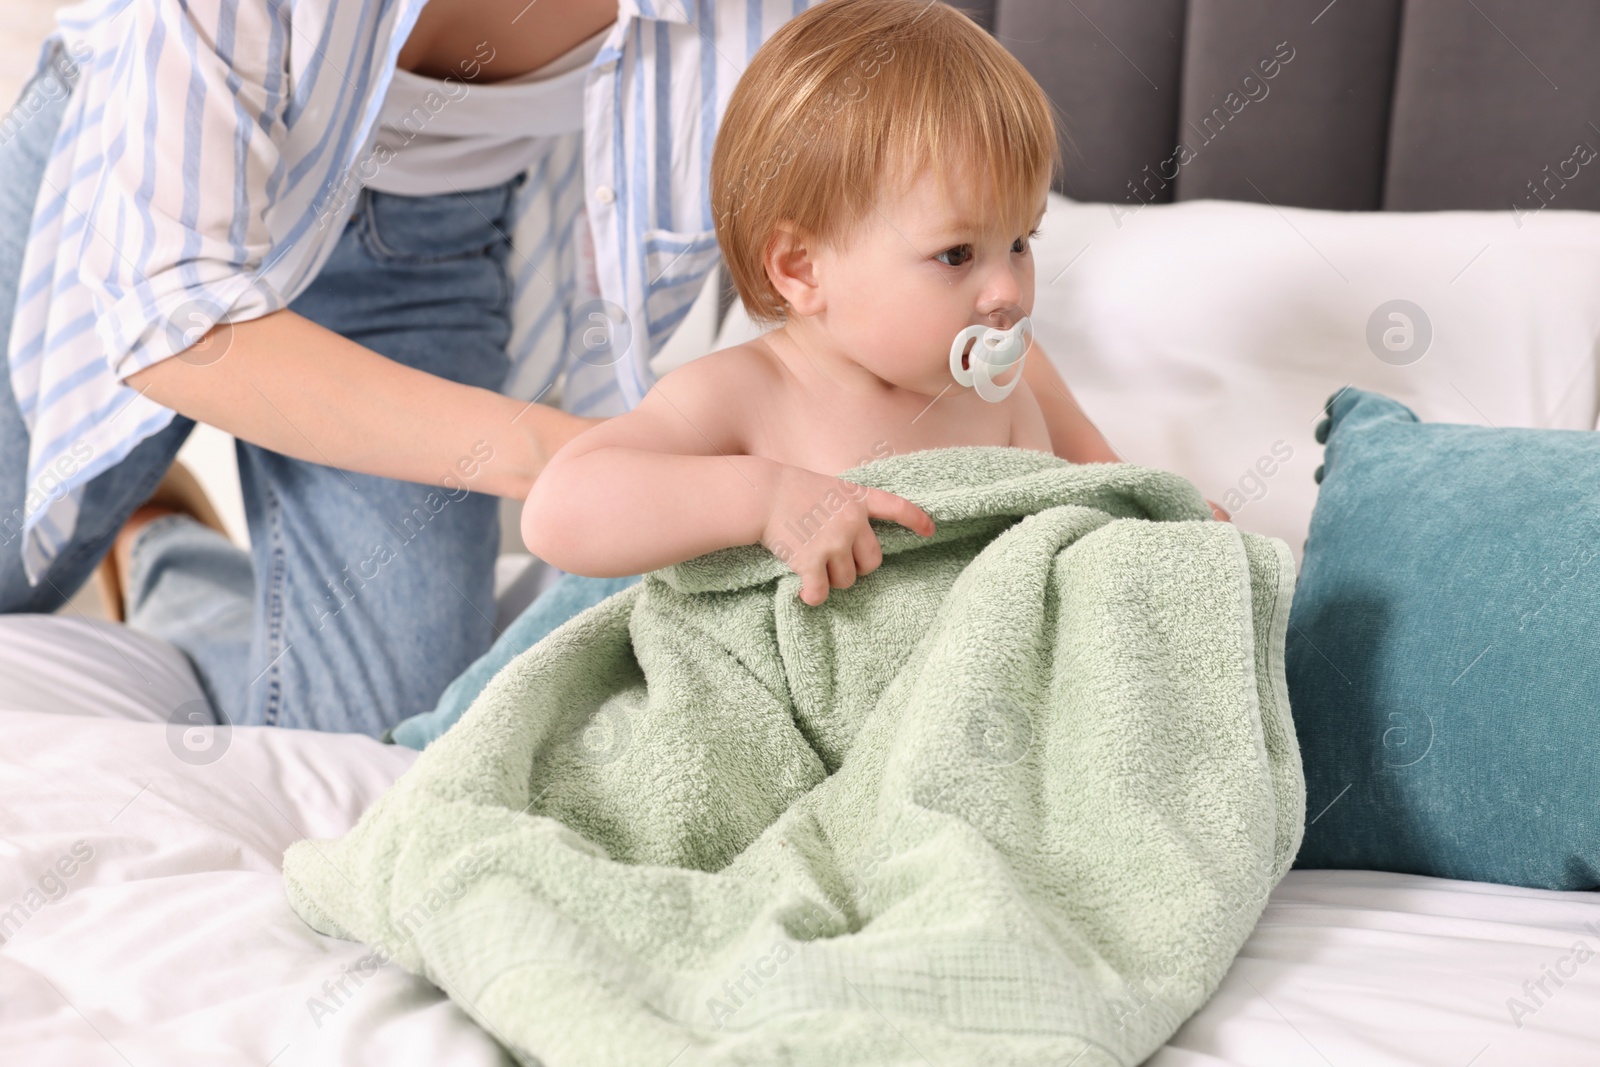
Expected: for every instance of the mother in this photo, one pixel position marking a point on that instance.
(311, 205)
(187, 179)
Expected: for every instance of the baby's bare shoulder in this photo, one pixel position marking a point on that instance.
(743, 366)
(744, 377)
(729, 389)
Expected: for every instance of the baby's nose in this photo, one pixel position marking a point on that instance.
(1004, 318)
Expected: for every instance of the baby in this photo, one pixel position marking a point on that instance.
(876, 180)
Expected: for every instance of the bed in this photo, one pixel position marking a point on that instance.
(173, 942)
(1201, 320)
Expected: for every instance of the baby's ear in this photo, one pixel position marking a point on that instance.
(792, 267)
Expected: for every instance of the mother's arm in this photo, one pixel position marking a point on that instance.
(287, 384)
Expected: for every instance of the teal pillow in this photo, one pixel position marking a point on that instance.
(1443, 656)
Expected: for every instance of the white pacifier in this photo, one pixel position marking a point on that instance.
(994, 352)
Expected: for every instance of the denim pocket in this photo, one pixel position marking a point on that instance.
(435, 229)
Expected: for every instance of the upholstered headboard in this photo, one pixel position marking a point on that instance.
(1401, 105)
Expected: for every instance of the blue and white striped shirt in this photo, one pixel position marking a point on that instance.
(202, 174)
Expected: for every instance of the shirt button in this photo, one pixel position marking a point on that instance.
(605, 194)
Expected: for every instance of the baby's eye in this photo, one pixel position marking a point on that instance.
(964, 252)
(1019, 246)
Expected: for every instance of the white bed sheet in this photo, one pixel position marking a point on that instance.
(174, 943)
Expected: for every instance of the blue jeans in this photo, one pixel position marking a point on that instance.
(360, 598)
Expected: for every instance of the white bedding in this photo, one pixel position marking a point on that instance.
(173, 944)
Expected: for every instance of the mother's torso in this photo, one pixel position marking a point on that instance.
(526, 34)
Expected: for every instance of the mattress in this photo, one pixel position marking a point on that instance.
(144, 919)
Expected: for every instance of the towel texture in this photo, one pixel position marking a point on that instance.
(1016, 797)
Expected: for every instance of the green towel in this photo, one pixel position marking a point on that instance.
(1016, 797)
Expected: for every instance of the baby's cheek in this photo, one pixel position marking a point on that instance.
(917, 337)
(908, 333)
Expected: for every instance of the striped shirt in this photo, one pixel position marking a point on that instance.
(207, 163)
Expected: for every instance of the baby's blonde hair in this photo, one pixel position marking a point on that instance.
(851, 94)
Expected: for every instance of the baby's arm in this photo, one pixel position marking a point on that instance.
(1028, 429)
(1073, 437)
(672, 480)
(660, 484)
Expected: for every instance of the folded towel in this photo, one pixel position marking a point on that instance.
(1016, 797)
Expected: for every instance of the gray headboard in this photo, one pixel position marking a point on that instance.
(1401, 105)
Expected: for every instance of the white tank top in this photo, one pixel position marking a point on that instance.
(445, 135)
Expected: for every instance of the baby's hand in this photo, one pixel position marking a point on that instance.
(818, 525)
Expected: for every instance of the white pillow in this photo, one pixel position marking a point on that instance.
(1204, 337)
